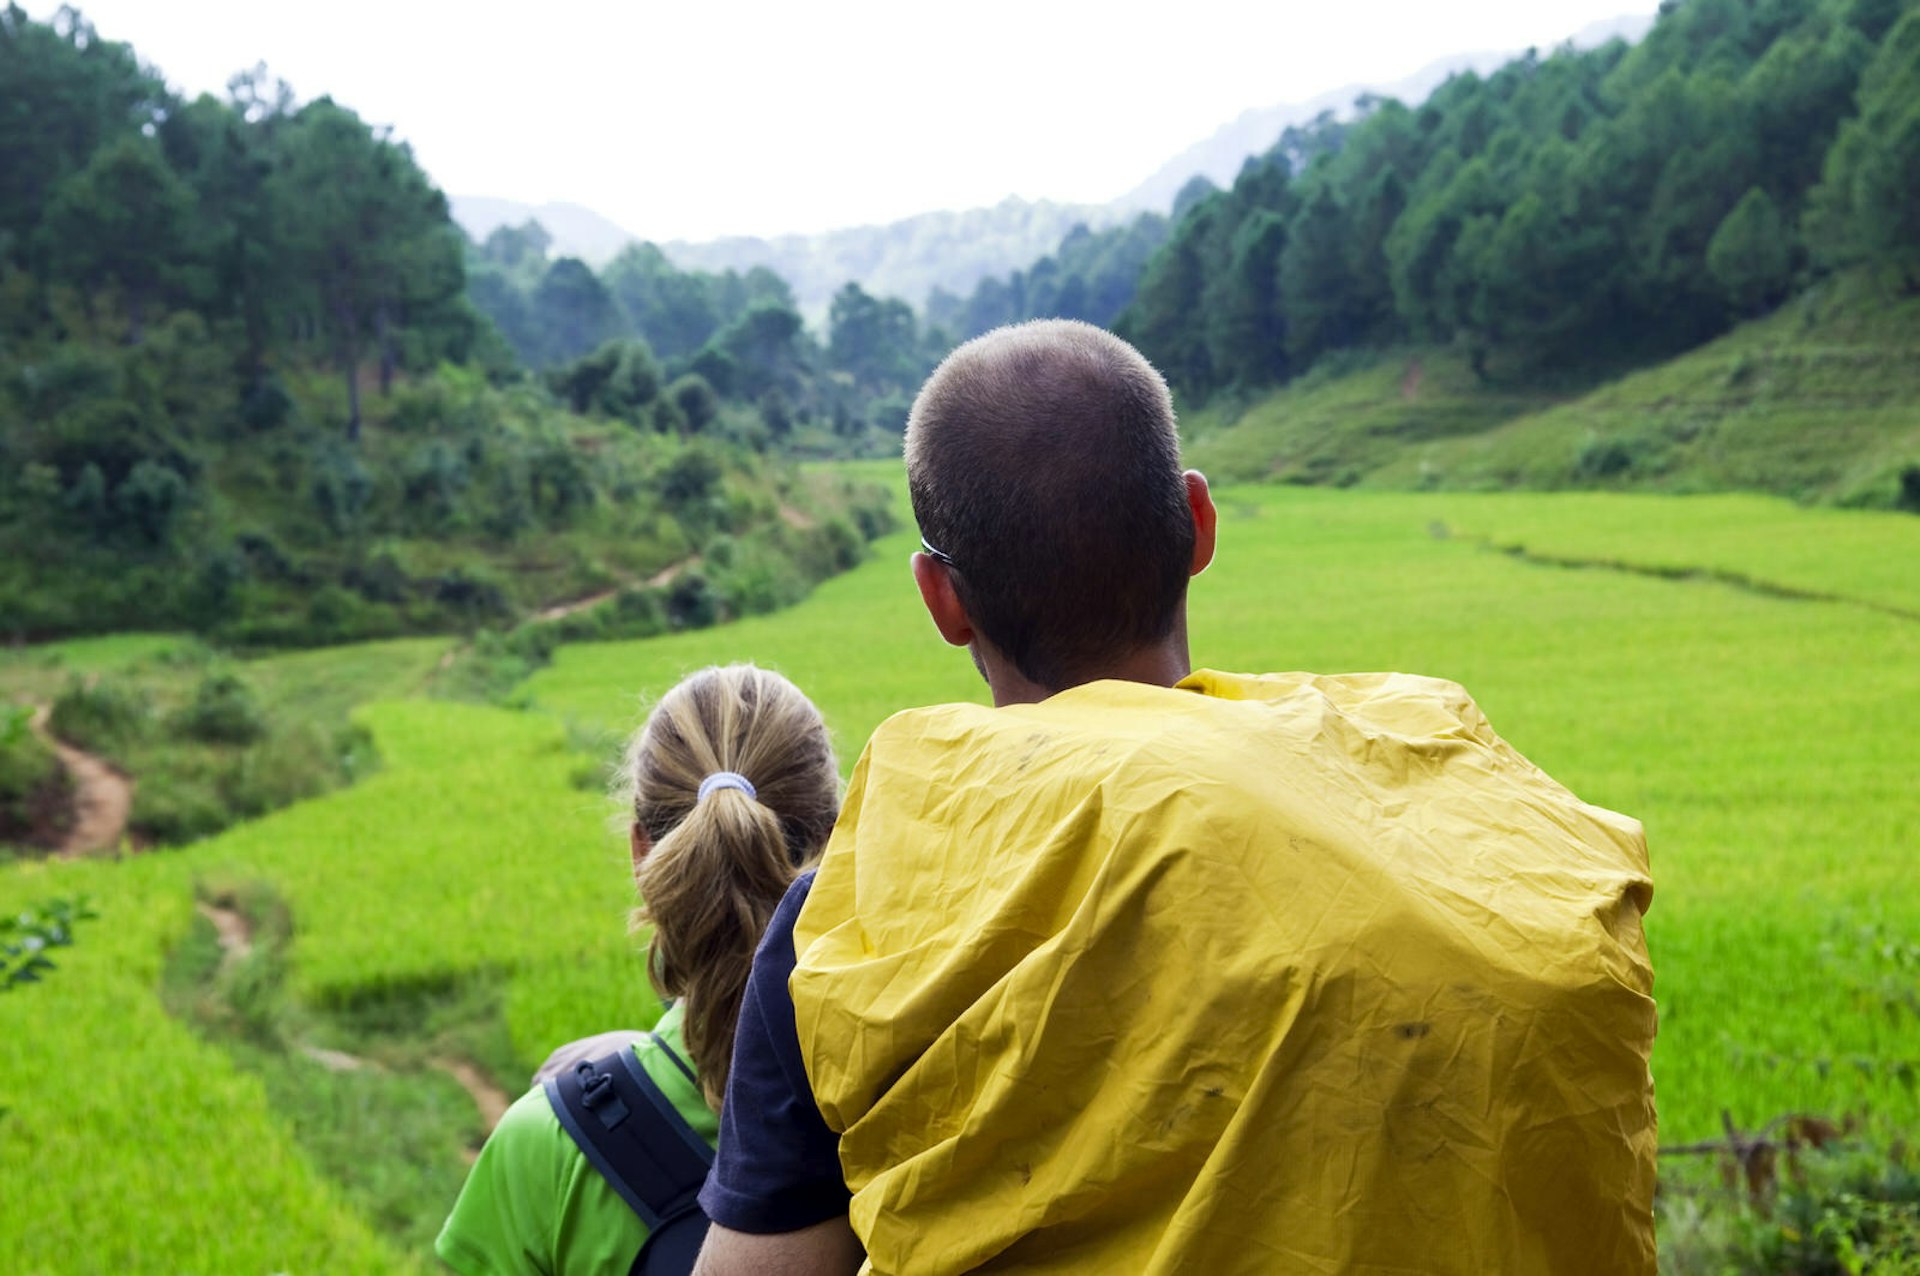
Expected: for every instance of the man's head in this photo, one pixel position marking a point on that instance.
(1044, 466)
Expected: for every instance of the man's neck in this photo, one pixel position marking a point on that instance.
(1160, 665)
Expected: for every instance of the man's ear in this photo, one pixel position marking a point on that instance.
(1206, 520)
(942, 603)
(638, 843)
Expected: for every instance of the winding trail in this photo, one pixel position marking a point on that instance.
(661, 578)
(236, 944)
(492, 1101)
(233, 928)
(560, 611)
(102, 795)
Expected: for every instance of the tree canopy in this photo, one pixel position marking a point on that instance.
(1573, 208)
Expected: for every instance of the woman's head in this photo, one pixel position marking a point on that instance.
(711, 870)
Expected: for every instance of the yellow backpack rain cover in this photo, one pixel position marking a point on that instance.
(1277, 974)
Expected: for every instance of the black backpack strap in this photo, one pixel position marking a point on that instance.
(629, 1131)
(686, 1069)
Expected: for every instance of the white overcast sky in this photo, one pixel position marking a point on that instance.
(699, 119)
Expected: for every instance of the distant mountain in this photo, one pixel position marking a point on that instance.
(906, 259)
(577, 231)
(955, 250)
(1220, 156)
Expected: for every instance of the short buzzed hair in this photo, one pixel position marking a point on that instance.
(1043, 460)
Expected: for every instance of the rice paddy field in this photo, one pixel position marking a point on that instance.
(1740, 673)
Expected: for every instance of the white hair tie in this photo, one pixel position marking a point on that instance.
(726, 780)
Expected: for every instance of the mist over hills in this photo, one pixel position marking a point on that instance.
(577, 230)
(954, 250)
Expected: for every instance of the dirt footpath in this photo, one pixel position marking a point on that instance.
(102, 795)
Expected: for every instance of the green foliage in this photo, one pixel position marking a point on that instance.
(1091, 275)
(199, 296)
(34, 800)
(1569, 212)
(1864, 209)
(123, 220)
(619, 380)
(1843, 1208)
(874, 342)
(207, 741)
(27, 936)
(109, 715)
(1751, 255)
(367, 236)
(731, 349)
(223, 710)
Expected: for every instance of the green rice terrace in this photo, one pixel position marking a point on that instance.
(275, 1049)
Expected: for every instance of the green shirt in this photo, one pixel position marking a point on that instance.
(532, 1204)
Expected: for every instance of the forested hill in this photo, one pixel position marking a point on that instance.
(244, 392)
(1565, 215)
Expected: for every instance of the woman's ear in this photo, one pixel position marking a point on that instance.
(638, 843)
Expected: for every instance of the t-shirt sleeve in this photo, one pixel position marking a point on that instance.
(778, 1165)
(509, 1208)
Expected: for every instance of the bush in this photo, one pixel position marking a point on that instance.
(292, 765)
(223, 711)
(104, 715)
(638, 613)
(178, 802)
(1845, 1209)
(691, 603)
(35, 807)
(266, 405)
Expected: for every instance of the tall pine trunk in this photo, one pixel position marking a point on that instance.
(384, 335)
(350, 365)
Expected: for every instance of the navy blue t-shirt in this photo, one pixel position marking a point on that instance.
(778, 1166)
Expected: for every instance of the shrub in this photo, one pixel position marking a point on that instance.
(223, 711)
(105, 715)
(34, 803)
(266, 405)
(177, 803)
(691, 603)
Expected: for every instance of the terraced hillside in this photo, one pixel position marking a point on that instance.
(1819, 401)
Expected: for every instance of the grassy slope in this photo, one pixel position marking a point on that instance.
(1764, 741)
(1819, 401)
(1336, 427)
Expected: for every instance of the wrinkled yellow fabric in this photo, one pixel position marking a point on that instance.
(1262, 974)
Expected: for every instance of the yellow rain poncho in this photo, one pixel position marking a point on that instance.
(1280, 974)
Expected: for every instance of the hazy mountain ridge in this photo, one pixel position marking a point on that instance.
(954, 250)
(577, 230)
(907, 259)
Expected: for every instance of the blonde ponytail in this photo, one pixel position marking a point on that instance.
(719, 865)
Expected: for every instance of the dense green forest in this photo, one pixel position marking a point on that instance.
(1567, 216)
(1091, 275)
(246, 392)
(709, 338)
